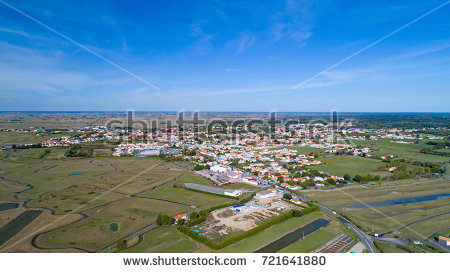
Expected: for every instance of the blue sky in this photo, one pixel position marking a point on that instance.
(224, 56)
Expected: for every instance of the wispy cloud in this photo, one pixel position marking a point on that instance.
(246, 41)
(294, 23)
(203, 43)
(388, 68)
(20, 33)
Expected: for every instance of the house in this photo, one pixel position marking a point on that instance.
(392, 169)
(181, 216)
(289, 186)
(250, 180)
(298, 202)
(444, 241)
(266, 193)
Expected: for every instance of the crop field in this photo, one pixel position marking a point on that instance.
(414, 220)
(384, 147)
(351, 165)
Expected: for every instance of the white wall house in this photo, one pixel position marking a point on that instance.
(266, 193)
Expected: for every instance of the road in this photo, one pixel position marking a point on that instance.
(365, 239)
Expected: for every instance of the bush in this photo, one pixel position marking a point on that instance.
(287, 196)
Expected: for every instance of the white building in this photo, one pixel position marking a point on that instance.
(266, 193)
(218, 168)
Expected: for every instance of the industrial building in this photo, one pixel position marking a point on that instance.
(216, 190)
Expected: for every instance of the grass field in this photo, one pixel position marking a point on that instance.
(185, 196)
(389, 248)
(10, 138)
(383, 147)
(309, 243)
(421, 219)
(93, 233)
(64, 185)
(164, 240)
(351, 165)
(315, 240)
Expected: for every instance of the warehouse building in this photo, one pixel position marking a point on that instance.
(216, 190)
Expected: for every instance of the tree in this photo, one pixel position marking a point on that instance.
(164, 220)
(357, 178)
(287, 196)
(121, 244)
(159, 220)
(198, 167)
(280, 179)
(181, 222)
(347, 177)
(193, 215)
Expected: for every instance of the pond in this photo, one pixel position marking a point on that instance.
(293, 236)
(7, 206)
(16, 225)
(114, 227)
(400, 201)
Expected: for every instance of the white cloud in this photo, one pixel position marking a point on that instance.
(204, 41)
(246, 41)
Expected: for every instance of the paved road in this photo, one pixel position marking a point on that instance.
(365, 239)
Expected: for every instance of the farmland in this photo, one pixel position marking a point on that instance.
(414, 220)
(348, 165)
(91, 194)
(384, 147)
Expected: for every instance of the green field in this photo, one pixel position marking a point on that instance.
(421, 219)
(81, 188)
(164, 240)
(18, 138)
(309, 243)
(384, 147)
(319, 238)
(389, 248)
(192, 198)
(351, 165)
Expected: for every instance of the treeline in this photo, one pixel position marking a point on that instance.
(78, 150)
(201, 167)
(31, 146)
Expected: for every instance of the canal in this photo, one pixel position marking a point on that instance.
(293, 236)
(400, 201)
